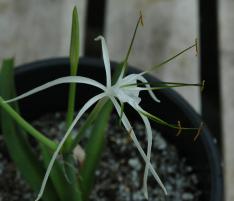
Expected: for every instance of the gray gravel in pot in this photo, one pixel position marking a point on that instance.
(119, 176)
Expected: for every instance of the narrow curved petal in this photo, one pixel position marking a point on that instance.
(128, 127)
(80, 113)
(68, 79)
(129, 79)
(149, 146)
(142, 79)
(106, 60)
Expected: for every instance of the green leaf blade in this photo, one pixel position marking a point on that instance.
(74, 62)
(94, 150)
(65, 190)
(15, 138)
(75, 42)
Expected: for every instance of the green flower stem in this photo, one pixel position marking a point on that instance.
(74, 62)
(24, 124)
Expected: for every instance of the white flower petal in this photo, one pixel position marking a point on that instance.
(142, 79)
(126, 96)
(106, 60)
(80, 113)
(68, 79)
(149, 146)
(129, 79)
(128, 127)
(123, 93)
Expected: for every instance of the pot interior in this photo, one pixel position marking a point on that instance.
(201, 154)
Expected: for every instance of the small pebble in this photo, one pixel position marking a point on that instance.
(120, 173)
(160, 143)
(215, 140)
(187, 196)
(135, 163)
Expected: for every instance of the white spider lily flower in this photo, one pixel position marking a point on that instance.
(126, 91)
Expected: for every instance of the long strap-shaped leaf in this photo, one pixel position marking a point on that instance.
(94, 150)
(18, 147)
(74, 61)
(66, 190)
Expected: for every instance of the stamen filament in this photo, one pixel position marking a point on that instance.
(164, 85)
(139, 21)
(162, 122)
(124, 68)
(168, 60)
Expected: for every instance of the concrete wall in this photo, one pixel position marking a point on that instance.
(33, 29)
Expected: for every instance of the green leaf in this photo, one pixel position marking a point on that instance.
(66, 190)
(27, 126)
(74, 61)
(75, 42)
(15, 138)
(93, 150)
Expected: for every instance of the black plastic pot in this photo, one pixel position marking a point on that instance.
(202, 154)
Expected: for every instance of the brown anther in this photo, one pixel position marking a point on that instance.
(179, 128)
(198, 132)
(203, 85)
(141, 19)
(196, 46)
